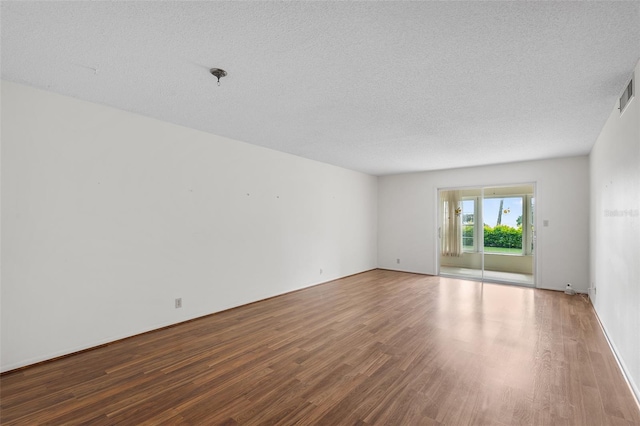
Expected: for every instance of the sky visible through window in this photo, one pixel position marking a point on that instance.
(512, 204)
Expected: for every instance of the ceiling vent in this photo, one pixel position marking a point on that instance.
(627, 95)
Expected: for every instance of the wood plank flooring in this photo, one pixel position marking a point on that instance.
(380, 347)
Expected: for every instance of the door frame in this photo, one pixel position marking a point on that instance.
(439, 218)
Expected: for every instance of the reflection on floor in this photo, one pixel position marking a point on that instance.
(489, 276)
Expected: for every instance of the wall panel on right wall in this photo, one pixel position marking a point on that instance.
(615, 234)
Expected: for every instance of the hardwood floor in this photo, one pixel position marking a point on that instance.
(380, 347)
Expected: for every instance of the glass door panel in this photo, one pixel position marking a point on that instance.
(463, 206)
(508, 234)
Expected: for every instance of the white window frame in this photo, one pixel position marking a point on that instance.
(476, 229)
(528, 222)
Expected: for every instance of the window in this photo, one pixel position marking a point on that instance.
(504, 226)
(503, 217)
(468, 224)
(530, 229)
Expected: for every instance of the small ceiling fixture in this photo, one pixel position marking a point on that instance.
(217, 72)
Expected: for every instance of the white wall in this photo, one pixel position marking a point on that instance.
(108, 216)
(407, 211)
(615, 234)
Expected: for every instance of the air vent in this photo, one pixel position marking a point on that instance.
(627, 95)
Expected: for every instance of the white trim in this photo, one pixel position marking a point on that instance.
(438, 228)
(635, 391)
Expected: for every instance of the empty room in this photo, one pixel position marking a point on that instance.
(320, 213)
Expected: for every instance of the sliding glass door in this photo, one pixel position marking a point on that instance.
(488, 233)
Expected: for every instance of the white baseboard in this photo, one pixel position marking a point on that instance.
(635, 390)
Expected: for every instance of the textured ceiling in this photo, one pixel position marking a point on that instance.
(379, 87)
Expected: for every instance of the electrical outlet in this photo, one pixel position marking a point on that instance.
(398, 261)
(179, 302)
(320, 271)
